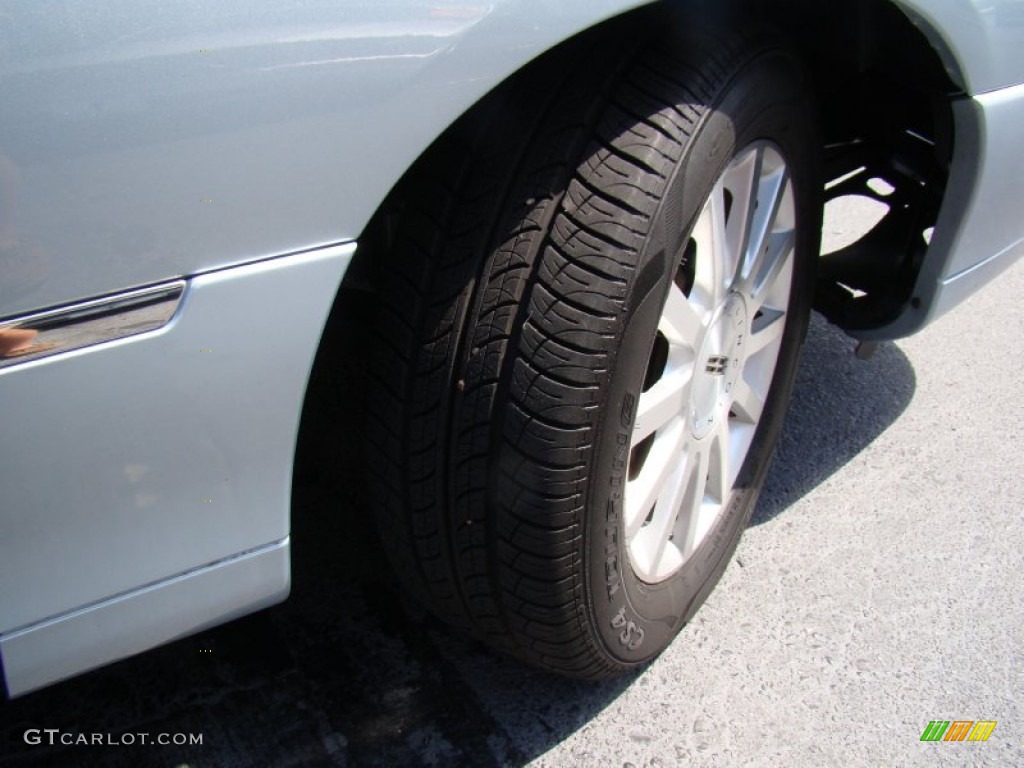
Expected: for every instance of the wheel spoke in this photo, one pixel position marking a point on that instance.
(687, 524)
(725, 263)
(770, 191)
(662, 403)
(712, 276)
(747, 404)
(648, 544)
(682, 323)
(771, 266)
(655, 537)
(659, 466)
(719, 467)
(767, 330)
(742, 180)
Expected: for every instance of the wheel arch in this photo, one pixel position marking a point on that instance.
(884, 99)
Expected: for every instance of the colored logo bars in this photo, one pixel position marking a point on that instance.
(958, 730)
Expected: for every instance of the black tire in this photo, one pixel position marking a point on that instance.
(523, 267)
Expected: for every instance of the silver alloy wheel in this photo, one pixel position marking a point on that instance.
(714, 358)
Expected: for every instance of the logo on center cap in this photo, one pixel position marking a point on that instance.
(717, 364)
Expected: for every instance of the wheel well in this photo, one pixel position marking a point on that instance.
(884, 103)
(887, 124)
(886, 121)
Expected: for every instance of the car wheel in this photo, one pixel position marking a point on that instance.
(593, 293)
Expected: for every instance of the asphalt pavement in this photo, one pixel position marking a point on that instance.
(878, 588)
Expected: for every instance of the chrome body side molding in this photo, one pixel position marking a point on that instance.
(41, 334)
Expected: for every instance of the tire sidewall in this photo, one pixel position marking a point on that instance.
(764, 100)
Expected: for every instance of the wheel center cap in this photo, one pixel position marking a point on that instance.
(718, 366)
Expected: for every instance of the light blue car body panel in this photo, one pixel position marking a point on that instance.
(146, 617)
(129, 464)
(117, 481)
(979, 40)
(156, 139)
(241, 146)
